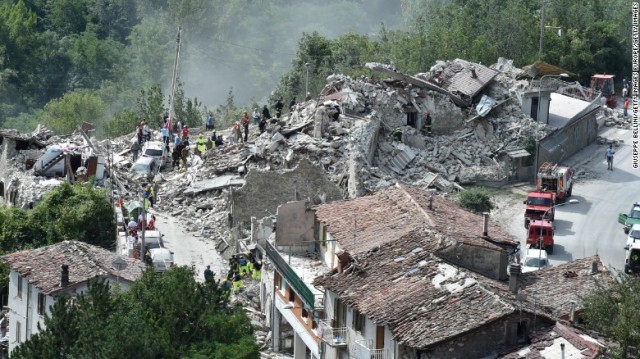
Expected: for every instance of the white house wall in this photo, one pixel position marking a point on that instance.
(29, 302)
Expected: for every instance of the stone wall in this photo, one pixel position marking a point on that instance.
(485, 342)
(489, 262)
(264, 191)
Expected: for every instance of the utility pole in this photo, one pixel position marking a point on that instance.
(174, 79)
(306, 83)
(541, 28)
(144, 226)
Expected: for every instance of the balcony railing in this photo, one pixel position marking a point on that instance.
(298, 285)
(335, 337)
(362, 350)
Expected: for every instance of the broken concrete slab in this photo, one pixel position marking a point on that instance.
(213, 184)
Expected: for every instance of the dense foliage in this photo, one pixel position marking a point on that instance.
(166, 315)
(111, 62)
(67, 212)
(476, 200)
(613, 311)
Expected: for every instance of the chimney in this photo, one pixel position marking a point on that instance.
(562, 350)
(485, 224)
(572, 313)
(64, 276)
(473, 72)
(514, 277)
(594, 267)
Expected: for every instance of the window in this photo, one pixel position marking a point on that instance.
(292, 294)
(358, 321)
(323, 241)
(42, 303)
(18, 332)
(19, 286)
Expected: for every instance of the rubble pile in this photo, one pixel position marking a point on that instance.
(615, 118)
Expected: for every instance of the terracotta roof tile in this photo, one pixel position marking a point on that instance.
(422, 298)
(367, 222)
(42, 266)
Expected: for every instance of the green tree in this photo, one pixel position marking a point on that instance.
(149, 105)
(166, 315)
(613, 311)
(476, 200)
(64, 115)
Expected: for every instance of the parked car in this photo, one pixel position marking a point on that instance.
(634, 234)
(161, 259)
(145, 168)
(632, 259)
(534, 259)
(156, 150)
(153, 239)
(630, 219)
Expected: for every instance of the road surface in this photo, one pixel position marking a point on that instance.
(591, 226)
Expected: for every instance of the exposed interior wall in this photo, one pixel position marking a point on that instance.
(486, 261)
(295, 224)
(264, 191)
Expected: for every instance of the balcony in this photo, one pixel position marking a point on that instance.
(362, 350)
(334, 337)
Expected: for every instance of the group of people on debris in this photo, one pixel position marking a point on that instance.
(241, 266)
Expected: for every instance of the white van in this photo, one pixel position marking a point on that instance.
(161, 259)
(156, 150)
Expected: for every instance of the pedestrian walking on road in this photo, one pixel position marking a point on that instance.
(610, 153)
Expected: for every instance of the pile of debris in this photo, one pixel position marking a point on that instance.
(614, 118)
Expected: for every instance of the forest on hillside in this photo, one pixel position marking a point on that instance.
(110, 62)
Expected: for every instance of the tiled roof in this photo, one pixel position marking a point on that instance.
(457, 77)
(556, 287)
(42, 266)
(547, 344)
(422, 298)
(364, 223)
(426, 300)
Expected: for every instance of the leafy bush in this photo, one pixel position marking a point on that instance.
(476, 200)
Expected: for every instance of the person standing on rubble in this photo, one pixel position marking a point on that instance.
(139, 134)
(427, 123)
(208, 274)
(184, 153)
(397, 134)
(292, 104)
(201, 145)
(210, 122)
(185, 133)
(245, 124)
(135, 149)
(265, 113)
(146, 132)
(308, 96)
(175, 155)
(279, 106)
(176, 140)
(165, 135)
(256, 116)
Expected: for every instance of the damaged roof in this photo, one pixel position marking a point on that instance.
(547, 342)
(364, 223)
(458, 77)
(423, 299)
(556, 287)
(42, 266)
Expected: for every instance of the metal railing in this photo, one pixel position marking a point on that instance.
(362, 350)
(333, 336)
(298, 285)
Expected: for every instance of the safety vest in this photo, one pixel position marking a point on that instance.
(202, 145)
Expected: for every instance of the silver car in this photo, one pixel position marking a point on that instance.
(145, 168)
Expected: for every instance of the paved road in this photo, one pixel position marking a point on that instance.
(591, 226)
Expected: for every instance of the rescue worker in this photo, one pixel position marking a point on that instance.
(397, 134)
(201, 145)
(237, 283)
(245, 124)
(243, 265)
(257, 270)
(226, 289)
(184, 152)
(175, 156)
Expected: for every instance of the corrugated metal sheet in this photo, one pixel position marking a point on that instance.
(403, 155)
